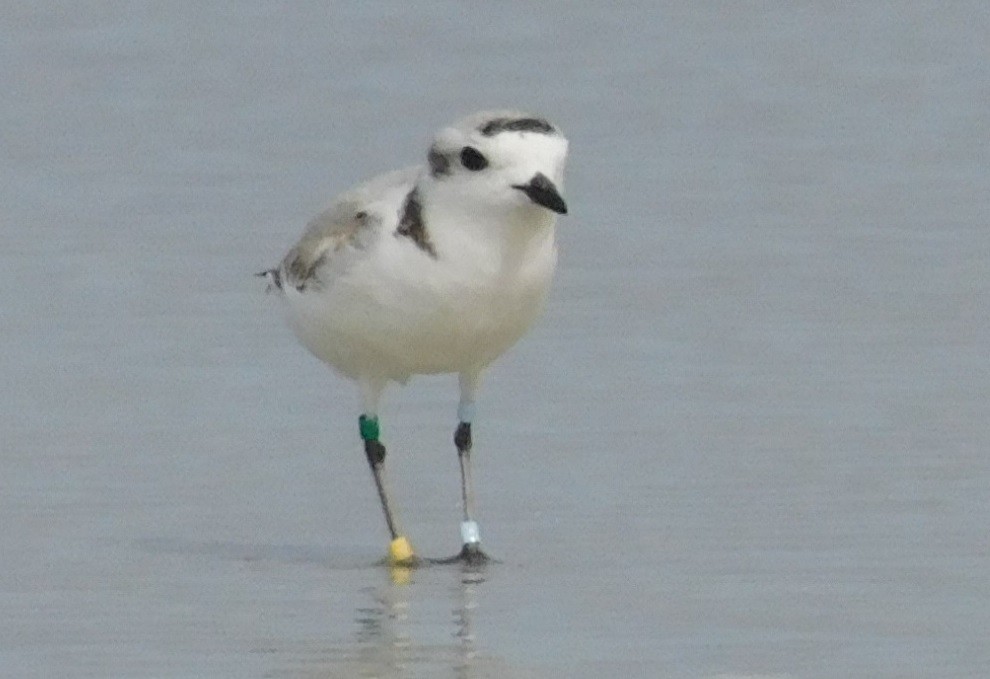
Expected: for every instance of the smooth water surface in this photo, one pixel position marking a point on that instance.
(748, 439)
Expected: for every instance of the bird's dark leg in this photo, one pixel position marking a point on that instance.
(462, 439)
(400, 551)
(470, 535)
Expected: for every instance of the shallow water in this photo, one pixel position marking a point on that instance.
(747, 440)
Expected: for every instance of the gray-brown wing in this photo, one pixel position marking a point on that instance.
(328, 233)
(349, 226)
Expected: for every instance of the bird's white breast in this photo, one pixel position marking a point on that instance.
(398, 312)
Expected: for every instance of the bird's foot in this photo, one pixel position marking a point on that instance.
(472, 555)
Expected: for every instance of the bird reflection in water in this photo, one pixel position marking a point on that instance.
(386, 638)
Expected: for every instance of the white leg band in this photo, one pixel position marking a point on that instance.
(470, 535)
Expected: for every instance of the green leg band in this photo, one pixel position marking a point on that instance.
(369, 428)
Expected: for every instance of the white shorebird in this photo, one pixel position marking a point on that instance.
(432, 269)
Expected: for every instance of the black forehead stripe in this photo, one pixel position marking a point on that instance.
(539, 125)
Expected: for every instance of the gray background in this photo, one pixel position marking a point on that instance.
(748, 439)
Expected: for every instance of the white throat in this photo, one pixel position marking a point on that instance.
(510, 234)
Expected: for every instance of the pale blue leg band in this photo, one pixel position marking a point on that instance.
(465, 411)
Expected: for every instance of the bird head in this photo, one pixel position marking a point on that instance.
(501, 161)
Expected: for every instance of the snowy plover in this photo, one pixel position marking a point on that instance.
(432, 269)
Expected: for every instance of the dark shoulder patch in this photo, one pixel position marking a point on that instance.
(497, 125)
(439, 163)
(411, 224)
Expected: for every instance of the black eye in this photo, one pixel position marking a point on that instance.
(472, 159)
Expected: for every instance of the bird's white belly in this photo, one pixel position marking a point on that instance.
(396, 329)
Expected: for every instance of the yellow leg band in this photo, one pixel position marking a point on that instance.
(400, 551)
